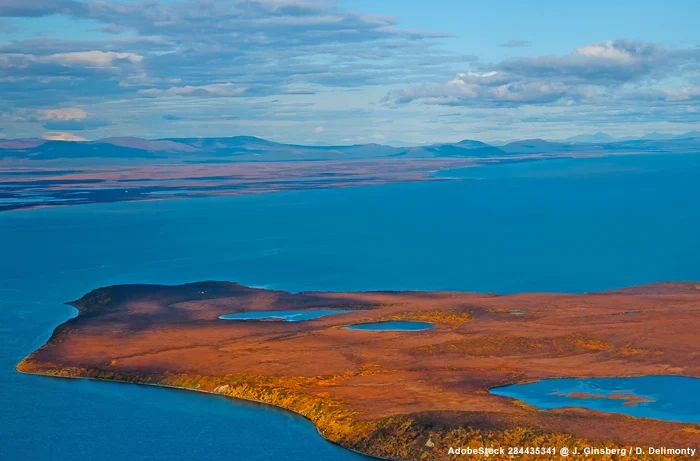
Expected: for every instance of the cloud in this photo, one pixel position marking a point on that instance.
(62, 136)
(35, 8)
(112, 29)
(669, 96)
(171, 118)
(300, 91)
(72, 64)
(593, 74)
(92, 58)
(687, 94)
(64, 119)
(75, 125)
(216, 62)
(319, 129)
(214, 90)
(515, 43)
(66, 114)
(253, 47)
(610, 62)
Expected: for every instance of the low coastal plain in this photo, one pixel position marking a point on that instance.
(403, 394)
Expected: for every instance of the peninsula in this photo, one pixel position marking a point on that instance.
(395, 394)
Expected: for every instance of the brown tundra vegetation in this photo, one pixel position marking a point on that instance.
(388, 394)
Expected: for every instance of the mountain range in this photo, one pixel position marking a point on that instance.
(249, 148)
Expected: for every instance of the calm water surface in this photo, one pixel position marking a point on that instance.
(287, 316)
(569, 227)
(393, 325)
(671, 398)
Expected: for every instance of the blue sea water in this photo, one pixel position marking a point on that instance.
(287, 316)
(392, 325)
(671, 398)
(538, 226)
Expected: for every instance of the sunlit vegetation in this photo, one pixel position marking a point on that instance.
(445, 317)
(518, 345)
(397, 437)
(405, 437)
(388, 397)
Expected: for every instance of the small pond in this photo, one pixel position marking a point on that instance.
(670, 398)
(287, 316)
(392, 325)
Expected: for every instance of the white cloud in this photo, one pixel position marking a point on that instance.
(92, 58)
(62, 115)
(62, 136)
(683, 94)
(592, 73)
(319, 129)
(611, 62)
(83, 59)
(214, 90)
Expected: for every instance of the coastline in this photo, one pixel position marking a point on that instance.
(178, 388)
(340, 418)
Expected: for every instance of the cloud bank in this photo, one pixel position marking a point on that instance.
(280, 68)
(614, 71)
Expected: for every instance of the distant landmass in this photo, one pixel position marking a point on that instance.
(253, 149)
(37, 172)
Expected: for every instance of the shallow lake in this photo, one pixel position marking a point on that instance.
(671, 398)
(392, 325)
(287, 316)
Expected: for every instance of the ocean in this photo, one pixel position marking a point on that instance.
(561, 225)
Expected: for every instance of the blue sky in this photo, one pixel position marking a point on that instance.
(315, 71)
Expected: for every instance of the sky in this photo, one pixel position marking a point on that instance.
(348, 71)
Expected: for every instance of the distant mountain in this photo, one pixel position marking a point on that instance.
(25, 143)
(656, 136)
(235, 148)
(253, 149)
(536, 146)
(590, 138)
(233, 142)
(602, 137)
(470, 144)
(464, 148)
(160, 145)
(126, 147)
(679, 145)
(689, 135)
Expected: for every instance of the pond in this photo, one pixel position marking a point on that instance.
(670, 398)
(287, 316)
(393, 325)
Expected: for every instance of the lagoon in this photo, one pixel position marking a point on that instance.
(670, 398)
